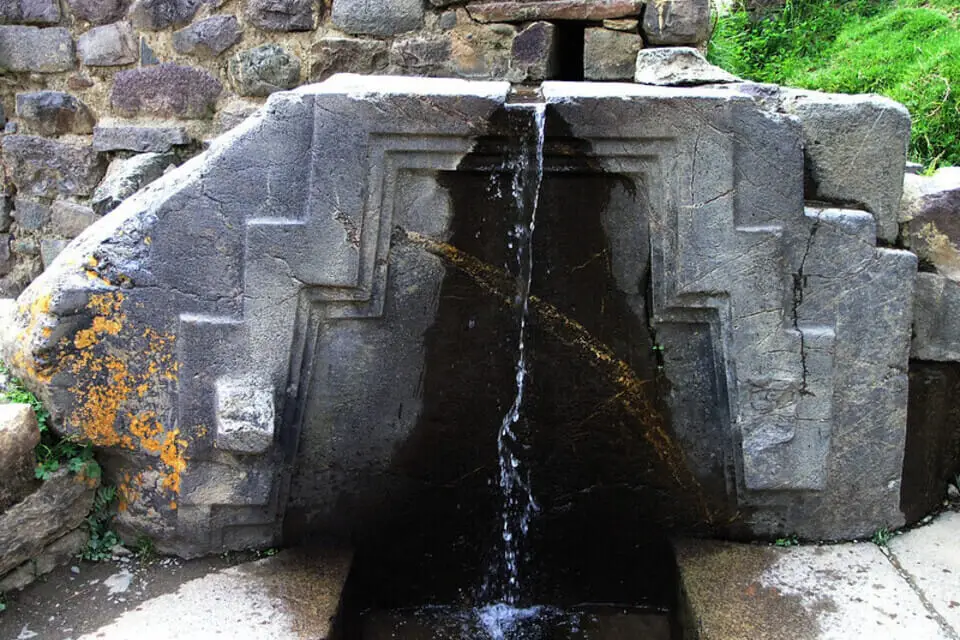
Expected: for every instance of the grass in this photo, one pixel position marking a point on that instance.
(907, 50)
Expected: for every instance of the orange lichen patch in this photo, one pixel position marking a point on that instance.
(128, 490)
(38, 319)
(172, 455)
(145, 426)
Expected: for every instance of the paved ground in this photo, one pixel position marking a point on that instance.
(290, 596)
(908, 589)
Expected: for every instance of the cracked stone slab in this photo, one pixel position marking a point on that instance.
(834, 592)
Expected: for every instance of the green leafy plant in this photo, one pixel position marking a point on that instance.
(144, 548)
(3, 603)
(789, 541)
(102, 537)
(881, 537)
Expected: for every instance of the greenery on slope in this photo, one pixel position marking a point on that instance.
(908, 50)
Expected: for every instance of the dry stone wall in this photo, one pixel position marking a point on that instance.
(90, 82)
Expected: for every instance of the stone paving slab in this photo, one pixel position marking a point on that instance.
(831, 592)
(930, 558)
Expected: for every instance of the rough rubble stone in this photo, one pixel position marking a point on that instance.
(43, 167)
(377, 17)
(245, 415)
(930, 209)
(127, 137)
(29, 12)
(32, 49)
(55, 509)
(527, 10)
(421, 56)
(610, 55)
(52, 113)
(281, 15)
(234, 112)
(50, 248)
(165, 90)
(335, 54)
(535, 53)
(147, 56)
(6, 259)
(856, 149)
(262, 70)
(481, 51)
(672, 22)
(70, 219)
(19, 435)
(936, 319)
(677, 67)
(127, 176)
(209, 37)
(57, 553)
(98, 12)
(155, 15)
(111, 45)
(30, 214)
(25, 247)
(6, 208)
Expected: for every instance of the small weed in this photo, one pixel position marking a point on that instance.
(144, 548)
(267, 553)
(789, 541)
(3, 603)
(881, 537)
(102, 538)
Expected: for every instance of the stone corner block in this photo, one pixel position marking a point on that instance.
(856, 150)
(245, 415)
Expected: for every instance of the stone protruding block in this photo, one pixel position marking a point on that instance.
(263, 70)
(29, 12)
(24, 49)
(678, 67)
(126, 176)
(527, 10)
(43, 167)
(336, 54)
(930, 207)
(209, 37)
(52, 113)
(377, 17)
(98, 11)
(610, 55)
(19, 436)
(672, 22)
(55, 509)
(165, 90)
(245, 415)
(142, 139)
(281, 15)
(111, 45)
(856, 150)
(535, 54)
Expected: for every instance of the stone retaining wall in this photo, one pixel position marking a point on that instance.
(89, 82)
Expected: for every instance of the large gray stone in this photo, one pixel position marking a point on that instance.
(610, 55)
(678, 67)
(126, 176)
(672, 22)
(98, 11)
(245, 415)
(52, 113)
(209, 37)
(115, 136)
(19, 435)
(856, 150)
(535, 54)
(263, 70)
(55, 509)
(421, 56)
(29, 12)
(377, 17)
(481, 51)
(32, 49)
(527, 10)
(111, 45)
(31, 215)
(336, 54)
(930, 209)
(154, 15)
(165, 90)
(42, 167)
(281, 15)
(57, 553)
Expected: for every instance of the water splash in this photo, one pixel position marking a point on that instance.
(518, 501)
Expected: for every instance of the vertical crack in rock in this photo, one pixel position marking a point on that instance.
(799, 282)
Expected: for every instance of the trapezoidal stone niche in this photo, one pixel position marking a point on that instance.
(312, 323)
